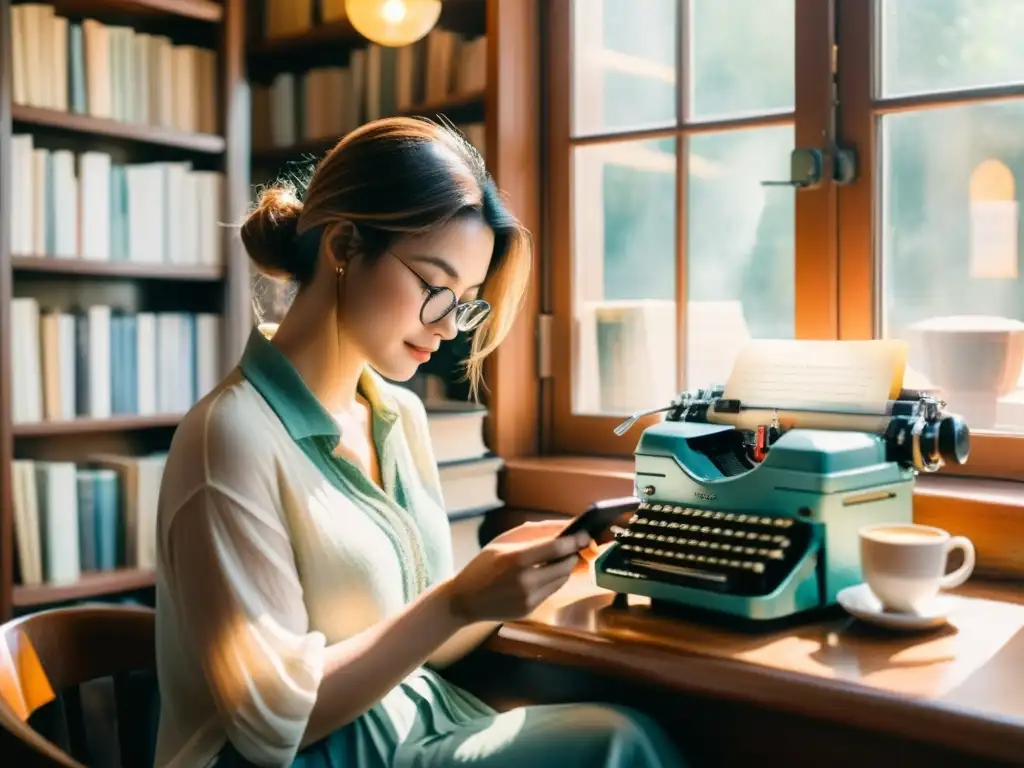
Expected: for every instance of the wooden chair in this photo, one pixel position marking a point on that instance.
(46, 661)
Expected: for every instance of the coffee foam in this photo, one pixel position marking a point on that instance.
(902, 534)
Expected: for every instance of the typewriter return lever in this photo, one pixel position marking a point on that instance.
(624, 427)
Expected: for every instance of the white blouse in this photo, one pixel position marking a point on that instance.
(270, 548)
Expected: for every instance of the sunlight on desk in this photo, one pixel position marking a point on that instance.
(840, 669)
(929, 664)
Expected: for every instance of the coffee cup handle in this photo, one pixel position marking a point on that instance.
(961, 574)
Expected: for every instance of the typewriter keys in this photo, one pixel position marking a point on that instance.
(735, 552)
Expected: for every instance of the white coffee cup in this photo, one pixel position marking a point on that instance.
(904, 564)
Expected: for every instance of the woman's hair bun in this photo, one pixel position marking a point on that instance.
(269, 233)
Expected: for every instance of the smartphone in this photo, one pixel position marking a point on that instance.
(600, 516)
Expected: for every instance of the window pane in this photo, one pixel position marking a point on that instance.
(624, 64)
(624, 276)
(742, 57)
(951, 255)
(740, 247)
(936, 45)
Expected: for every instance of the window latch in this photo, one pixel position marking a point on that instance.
(806, 167)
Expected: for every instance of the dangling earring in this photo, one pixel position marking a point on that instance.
(339, 270)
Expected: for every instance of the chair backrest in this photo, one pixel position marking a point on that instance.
(46, 659)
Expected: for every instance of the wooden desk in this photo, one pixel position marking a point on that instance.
(826, 694)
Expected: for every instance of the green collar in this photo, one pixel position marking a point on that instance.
(274, 377)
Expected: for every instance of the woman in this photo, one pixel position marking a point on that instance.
(305, 591)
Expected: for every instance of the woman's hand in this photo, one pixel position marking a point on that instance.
(515, 572)
(548, 529)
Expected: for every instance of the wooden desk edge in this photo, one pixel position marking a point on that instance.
(871, 709)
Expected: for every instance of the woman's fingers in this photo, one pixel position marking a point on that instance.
(591, 551)
(532, 531)
(558, 570)
(552, 549)
(588, 555)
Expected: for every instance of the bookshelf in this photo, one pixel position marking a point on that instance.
(83, 125)
(90, 585)
(322, 26)
(505, 106)
(454, 107)
(117, 269)
(299, 53)
(199, 10)
(85, 426)
(200, 146)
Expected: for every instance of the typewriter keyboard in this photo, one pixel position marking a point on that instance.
(733, 552)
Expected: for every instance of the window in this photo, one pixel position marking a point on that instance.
(669, 250)
(933, 98)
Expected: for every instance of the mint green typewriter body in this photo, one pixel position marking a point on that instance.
(762, 542)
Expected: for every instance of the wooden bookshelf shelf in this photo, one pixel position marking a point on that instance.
(96, 584)
(199, 10)
(456, 14)
(323, 34)
(456, 101)
(86, 426)
(116, 269)
(454, 107)
(67, 122)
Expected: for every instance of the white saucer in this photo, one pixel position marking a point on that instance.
(861, 602)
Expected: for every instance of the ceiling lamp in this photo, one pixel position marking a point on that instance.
(393, 23)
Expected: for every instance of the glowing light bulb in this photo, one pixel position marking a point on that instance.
(393, 11)
(393, 23)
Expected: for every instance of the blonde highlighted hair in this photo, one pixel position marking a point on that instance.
(388, 179)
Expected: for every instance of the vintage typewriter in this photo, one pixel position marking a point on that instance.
(750, 510)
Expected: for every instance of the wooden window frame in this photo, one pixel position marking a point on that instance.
(993, 455)
(836, 289)
(816, 265)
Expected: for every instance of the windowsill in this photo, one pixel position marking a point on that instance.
(989, 512)
(955, 687)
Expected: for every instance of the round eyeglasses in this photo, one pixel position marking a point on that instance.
(441, 300)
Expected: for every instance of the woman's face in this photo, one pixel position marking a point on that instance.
(382, 299)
